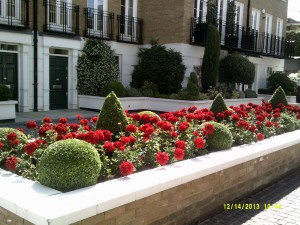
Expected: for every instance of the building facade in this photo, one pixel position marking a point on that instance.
(40, 41)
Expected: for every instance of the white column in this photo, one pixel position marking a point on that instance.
(25, 78)
(72, 79)
(44, 78)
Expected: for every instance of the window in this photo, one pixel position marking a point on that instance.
(255, 19)
(10, 8)
(268, 32)
(239, 20)
(200, 9)
(97, 20)
(279, 24)
(60, 14)
(129, 12)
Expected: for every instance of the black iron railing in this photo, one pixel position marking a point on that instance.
(244, 39)
(130, 29)
(61, 17)
(14, 14)
(98, 24)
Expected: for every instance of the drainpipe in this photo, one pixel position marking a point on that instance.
(248, 14)
(35, 56)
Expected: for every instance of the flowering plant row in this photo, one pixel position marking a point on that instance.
(148, 141)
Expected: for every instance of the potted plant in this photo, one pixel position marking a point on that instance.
(7, 106)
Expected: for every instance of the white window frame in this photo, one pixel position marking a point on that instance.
(268, 32)
(279, 24)
(201, 8)
(95, 29)
(57, 25)
(134, 14)
(255, 19)
(239, 21)
(4, 12)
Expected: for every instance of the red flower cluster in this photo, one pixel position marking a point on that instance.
(31, 125)
(179, 153)
(126, 168)
(199, 142)
(131, 128)
(1, 145)
(162, 158)
(30, 147)
(11, 163)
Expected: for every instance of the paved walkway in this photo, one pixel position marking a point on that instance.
(284, 196)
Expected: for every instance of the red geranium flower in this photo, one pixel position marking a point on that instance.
(107, 135)
(15, 142)
(260, 136)
(209, 128)
(61, 128)
(108, 146)
(131, 128)
(166, 126)
(31, 125)
(94, 119)
(192, 109)
(173, 134)
(119, 145)
(91, 137)
(221, 115)
(268, 124)
(12, 136)
(199, 142)
(30, 148)
(100, 135)
(162, 158)
(125, 140)
(21, 130)
(63, 120)
(179, 153)
(79, 116)
(47, 120)
(180, 144)
(132, 139)
(183, 126)
(1, 145)
(43, 130)
(11, 163)
(84, 122)
(74, 126)
(126, 168)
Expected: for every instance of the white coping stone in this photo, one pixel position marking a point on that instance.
(42, 205)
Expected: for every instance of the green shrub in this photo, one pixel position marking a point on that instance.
(112, 116)
(69, 164)
(281, 79)
(96, 66)
(133, 92)
(235, 68)
(115, 86)
(220, 139)
(210, 63)
(149, 113)
(5, 93)
(250, 93)
(286, 124)
(278, 97)
(164, 68)
(218, 105)
(4, 131)
(194, 78)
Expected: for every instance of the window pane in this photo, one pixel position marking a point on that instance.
(90, 4)
(122, 7)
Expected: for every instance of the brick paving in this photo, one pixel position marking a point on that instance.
(283, 196)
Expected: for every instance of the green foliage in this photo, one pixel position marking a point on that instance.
(212, 13)
(287, 123)
(294, 35)
(133, 92)
(149, 113)
(192, 87)
(278, 97)
(161, 66)
(210, 63)
(218, 105)
(112, 116)
(235, 68)
(280, 78)
(4, 131)
(221, 138)
(69, 164)
(115, 86)
(250, 93)
(96, 66)
(5, 93)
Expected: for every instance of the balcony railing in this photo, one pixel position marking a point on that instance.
(98, 24)
(14, 14)
(130, 29)
(61, 17)
(239, 38)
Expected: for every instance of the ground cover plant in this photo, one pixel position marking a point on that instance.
(148, 140)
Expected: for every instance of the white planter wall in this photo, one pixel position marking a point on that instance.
(8, 110)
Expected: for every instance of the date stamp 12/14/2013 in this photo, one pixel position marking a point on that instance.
(251, 206)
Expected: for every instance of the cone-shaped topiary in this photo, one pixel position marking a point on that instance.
(69, 164)
(112, 116)
(278, 97)
(218, 105)
(220, 139)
